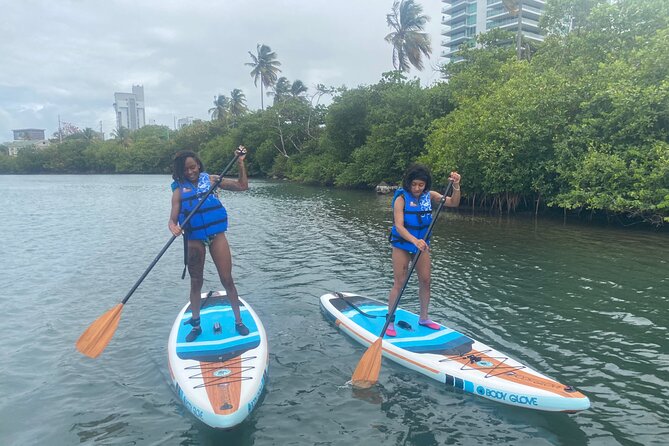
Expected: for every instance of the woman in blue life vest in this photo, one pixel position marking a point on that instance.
(206, 228)
(412, 214)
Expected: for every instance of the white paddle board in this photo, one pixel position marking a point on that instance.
(450, 357)
(220, 376)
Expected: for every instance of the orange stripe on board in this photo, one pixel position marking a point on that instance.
(404, 358)
(422, 366)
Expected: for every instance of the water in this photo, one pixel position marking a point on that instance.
(585, 305)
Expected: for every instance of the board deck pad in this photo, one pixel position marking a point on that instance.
(211, 346)
(416, 338)
(449, 356)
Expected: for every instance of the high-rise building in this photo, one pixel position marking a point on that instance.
(129, 108)
(462, 20)
(183, 122)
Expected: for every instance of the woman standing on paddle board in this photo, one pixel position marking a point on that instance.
(412, 214)
(206, 228)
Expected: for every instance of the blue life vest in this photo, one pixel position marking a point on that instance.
(210, 219)
(417, 219)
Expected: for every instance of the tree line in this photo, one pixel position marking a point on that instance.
(579, 122)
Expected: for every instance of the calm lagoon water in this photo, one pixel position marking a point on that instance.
(586, 305)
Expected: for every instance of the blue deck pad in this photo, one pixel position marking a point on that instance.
(418, 339)
(226, 343)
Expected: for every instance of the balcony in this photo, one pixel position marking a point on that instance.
(458, 27)
(455, 6)
(499, 11)
(459, 15)
(533, 36)
(512, 23)
(459, 39)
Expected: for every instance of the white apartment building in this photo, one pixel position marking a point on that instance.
(462, 20)
(129, 108)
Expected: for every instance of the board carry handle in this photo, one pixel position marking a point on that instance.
(94, 340)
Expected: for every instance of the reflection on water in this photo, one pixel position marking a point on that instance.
(586, 305)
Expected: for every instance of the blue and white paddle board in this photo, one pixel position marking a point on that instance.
(221, 375)
(450, 357)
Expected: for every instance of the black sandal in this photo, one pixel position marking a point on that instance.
(241, 328)
(196, 331)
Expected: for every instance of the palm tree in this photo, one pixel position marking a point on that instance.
(298, 89)
(221, 107)
(89, 134)
(123, 135)
(281, 89)
(282, 86)
(409, 42)
(237, 103)
(516, 7)
(265, 67)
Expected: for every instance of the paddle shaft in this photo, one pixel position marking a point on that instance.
(416, 256)
(167, 245)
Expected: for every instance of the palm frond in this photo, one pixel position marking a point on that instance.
(409, 41)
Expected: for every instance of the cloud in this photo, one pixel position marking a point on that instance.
(68, 58)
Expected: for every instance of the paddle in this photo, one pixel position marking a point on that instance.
(96, 337)
(354, 306)
(366, 374)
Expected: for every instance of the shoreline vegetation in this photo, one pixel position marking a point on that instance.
(578, 124)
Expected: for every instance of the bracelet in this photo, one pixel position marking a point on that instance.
(455, 188)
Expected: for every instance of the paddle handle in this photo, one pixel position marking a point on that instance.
(416, 256)
(167, 245)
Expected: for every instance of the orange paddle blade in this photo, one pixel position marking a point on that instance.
(96, 337)
(366, 374)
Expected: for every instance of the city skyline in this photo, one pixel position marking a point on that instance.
(183, 55)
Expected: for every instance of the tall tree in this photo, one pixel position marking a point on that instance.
(123, 135)
(409, 41)
(298, 89)
(221, 107)
(265, 68)
(89, 134)
(284, 89)
(281, 89)
(237, 103)
(515, 7)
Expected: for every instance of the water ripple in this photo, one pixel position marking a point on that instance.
(585, 305)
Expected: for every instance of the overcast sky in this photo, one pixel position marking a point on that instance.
(68, 57)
